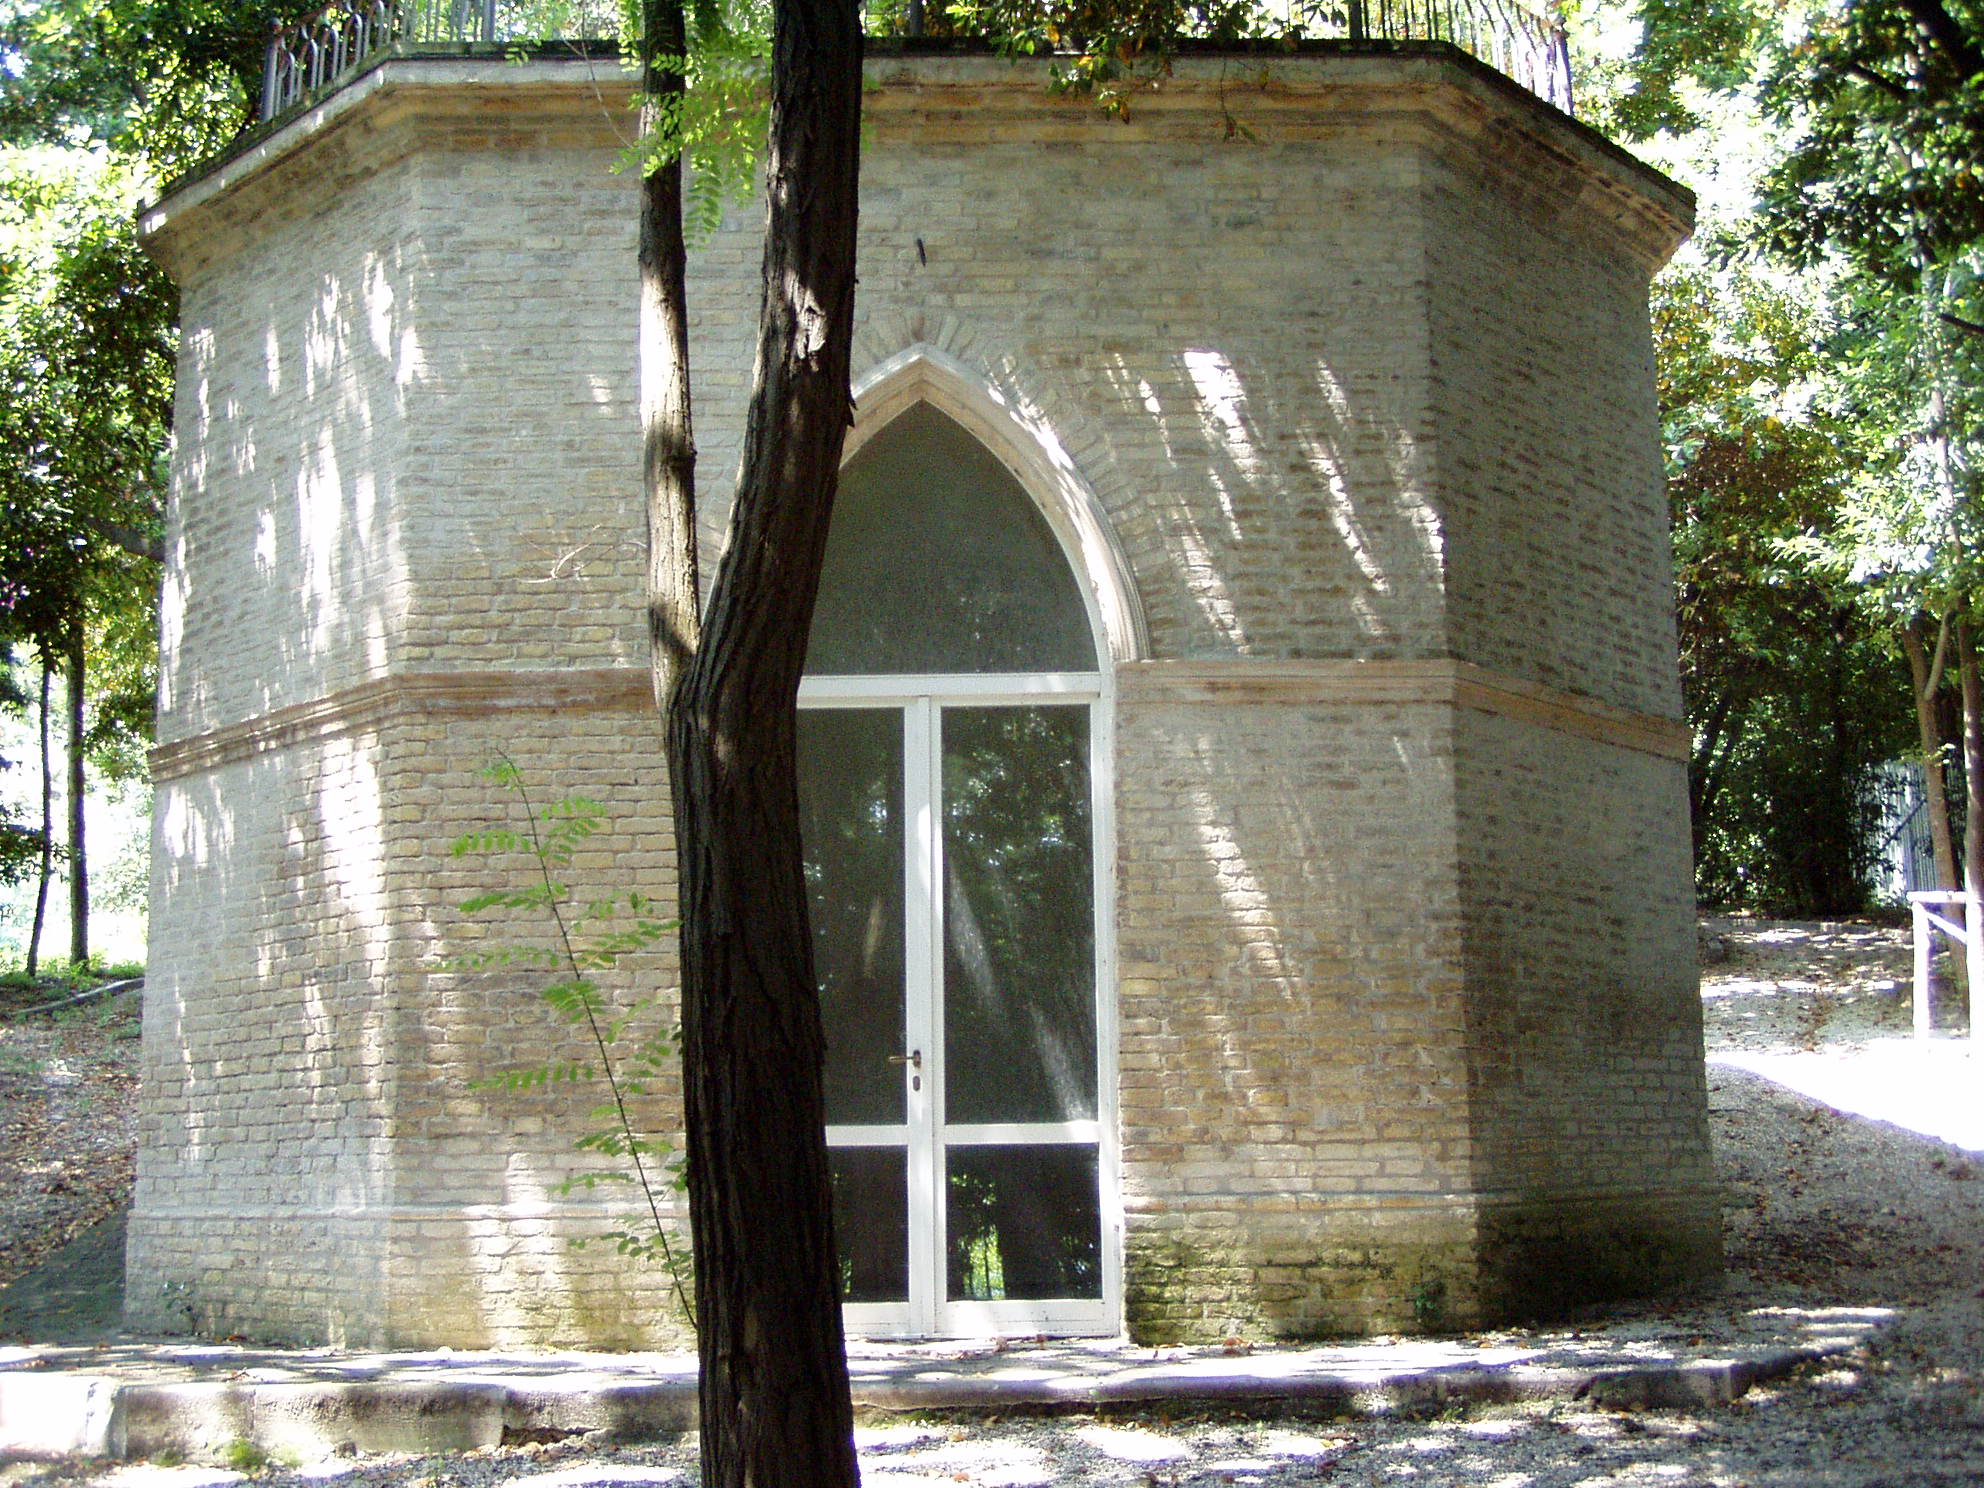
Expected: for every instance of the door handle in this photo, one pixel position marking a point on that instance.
(914, 1058)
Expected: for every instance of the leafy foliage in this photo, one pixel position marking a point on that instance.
(165, 82)
(589, 937)
(1878, 108)
(1793, 698)
(1106, 49)
(1713, 45)
(86, 350)
(717, 122)
(1887, 97)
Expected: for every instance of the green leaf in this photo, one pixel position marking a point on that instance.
(487, 840)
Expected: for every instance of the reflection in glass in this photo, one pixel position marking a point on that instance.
(1023, 1223)
(1019, 915)
(871, 1222)
(851, 824)
(937, 561)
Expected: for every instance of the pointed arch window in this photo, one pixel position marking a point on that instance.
(939, 562)
(952, 740)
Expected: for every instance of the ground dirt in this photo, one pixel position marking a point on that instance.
(68, 1134)
(1828, 1207)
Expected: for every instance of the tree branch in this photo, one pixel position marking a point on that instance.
(668, 445)
(1941, 28)
(130, 539)
(1879, 79)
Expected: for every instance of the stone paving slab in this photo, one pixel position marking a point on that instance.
(136, 1399)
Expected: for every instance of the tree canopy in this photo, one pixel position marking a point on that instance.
(1818, 353)
(86, 347)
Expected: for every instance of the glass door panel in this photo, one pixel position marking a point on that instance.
(851, 822)
(852, 828)
(1022, 1215)
(1019, 916)
(871, 1222)
(1023, 1223)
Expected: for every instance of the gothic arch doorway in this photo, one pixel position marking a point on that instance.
(954, 762)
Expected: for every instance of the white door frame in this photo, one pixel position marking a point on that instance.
(920, 699)
(1020, 434)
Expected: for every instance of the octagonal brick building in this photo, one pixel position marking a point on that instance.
(1243, 769)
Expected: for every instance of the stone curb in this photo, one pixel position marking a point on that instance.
(1706, 1382)
(99, 1416)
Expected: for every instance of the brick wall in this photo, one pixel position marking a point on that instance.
(1294, 1083)
(1366, 405)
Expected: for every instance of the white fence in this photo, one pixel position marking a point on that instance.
(1931, 919)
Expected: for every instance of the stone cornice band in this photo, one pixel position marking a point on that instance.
(1437, 681)
(1460, 107)
(481, 694)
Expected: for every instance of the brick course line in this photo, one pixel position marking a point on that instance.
(620, 689)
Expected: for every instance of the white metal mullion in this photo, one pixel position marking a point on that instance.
(811, 696)
(1023, 1134)
(867, 1136)
(923, 960)
(988, 688)
(1108, 1155)
(924, 1137)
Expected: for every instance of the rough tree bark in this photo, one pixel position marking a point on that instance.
(668, 445)
(79, 871)
(773, 1390)
(1926, 672)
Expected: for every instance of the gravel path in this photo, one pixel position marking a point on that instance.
(1826, 1210)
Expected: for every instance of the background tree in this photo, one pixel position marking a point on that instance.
(86, 347)
(1862, 214)
(1907, 538)
(1792, 696)
(1885, 103)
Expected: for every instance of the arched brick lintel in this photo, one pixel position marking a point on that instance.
(1027, 446)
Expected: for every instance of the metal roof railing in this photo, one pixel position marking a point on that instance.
(1525, 47)
(335, 41)
(329, 44)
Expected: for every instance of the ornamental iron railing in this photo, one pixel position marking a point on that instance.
(1523, 46)
(324, 47)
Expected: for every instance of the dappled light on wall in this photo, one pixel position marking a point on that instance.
(1222, 415)
(1199, 565)
(1173, 854)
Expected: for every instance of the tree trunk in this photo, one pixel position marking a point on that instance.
(773, 1387)
(79, 863)
(47, 866)
(668, 446)
(1926, 672)
(1973, 766)
(1705, 785)
(1946, 33)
